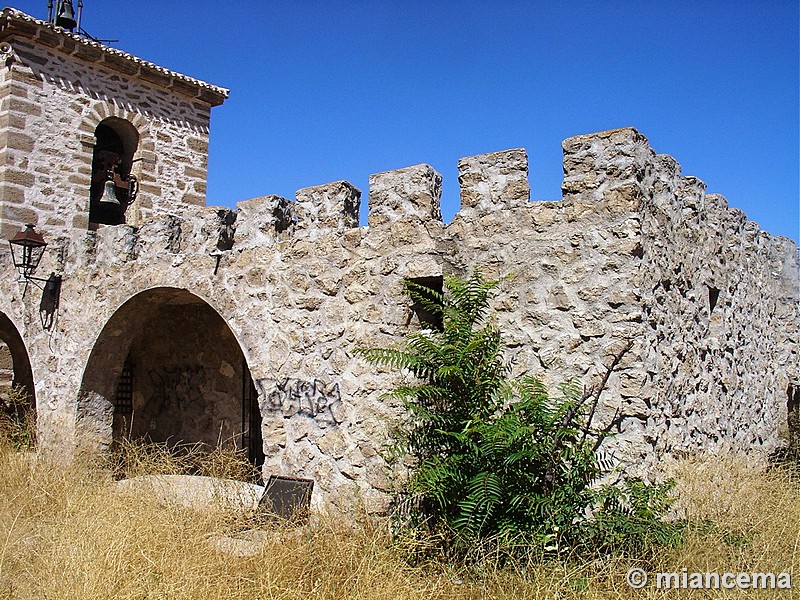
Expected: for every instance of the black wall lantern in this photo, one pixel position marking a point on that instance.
(27, 249)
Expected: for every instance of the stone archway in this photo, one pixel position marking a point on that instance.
(135, 138)
(15, 367)
(167, 368)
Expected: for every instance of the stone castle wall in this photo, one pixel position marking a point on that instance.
(301, 286)
(633, 252)
(721, 303)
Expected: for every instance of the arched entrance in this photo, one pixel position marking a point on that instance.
(167, 368)
(15, 373)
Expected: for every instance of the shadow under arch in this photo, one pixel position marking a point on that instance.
(166, 367)
(15, 364)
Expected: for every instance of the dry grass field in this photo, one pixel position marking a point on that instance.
(69, 533)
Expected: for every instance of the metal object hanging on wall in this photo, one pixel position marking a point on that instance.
(27, 249)
(110, 194)
(110, 189)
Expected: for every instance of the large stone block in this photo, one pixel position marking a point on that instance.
(410, 193)
(494, 181)
(599, 162)
(330, 207)
(263, 220)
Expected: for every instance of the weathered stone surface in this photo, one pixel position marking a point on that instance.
(242, 326)
(333, 206)
(413, 191)
(194, 491)
(494, 181)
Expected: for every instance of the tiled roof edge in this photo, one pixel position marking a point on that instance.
(15, 21)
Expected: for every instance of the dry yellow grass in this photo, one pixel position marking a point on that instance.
(66, 533)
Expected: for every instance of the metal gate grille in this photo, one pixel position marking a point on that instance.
(123, 399)
(251, 419)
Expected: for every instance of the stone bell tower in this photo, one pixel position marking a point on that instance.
(76, 115)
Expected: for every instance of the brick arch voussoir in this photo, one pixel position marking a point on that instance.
(103, 110)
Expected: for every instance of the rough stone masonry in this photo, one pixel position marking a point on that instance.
(195, 324)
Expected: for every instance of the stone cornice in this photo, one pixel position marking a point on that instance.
(14, 22)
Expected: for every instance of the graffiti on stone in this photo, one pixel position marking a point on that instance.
(312, 398)
(177, 388)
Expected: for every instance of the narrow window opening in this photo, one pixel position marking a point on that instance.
(424, 291)
(713, 296)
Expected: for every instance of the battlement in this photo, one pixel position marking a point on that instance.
(612, 180)
(607, 173)
(180, 321)
(491, 182)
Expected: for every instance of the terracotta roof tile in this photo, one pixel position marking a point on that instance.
(15, 21)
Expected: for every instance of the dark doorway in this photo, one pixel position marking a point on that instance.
(17, 393)
(252, 441)
(172, 372)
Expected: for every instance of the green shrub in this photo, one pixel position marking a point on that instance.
(500, 463)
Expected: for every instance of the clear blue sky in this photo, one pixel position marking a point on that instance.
(329, 90)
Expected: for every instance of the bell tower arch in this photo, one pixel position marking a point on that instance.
(114, 187)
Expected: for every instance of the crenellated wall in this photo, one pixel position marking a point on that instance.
(201, 309)
(632, 252)
(721, 302)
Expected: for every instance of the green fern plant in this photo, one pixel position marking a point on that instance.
(496, 460)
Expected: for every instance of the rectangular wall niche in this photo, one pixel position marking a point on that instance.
(713, 297)
(421, 316)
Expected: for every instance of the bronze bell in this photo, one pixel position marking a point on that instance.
(110, 194)
(65, 15)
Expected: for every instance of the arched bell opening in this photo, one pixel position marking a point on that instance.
(113, 187)
(167, 368)
(17, 392)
